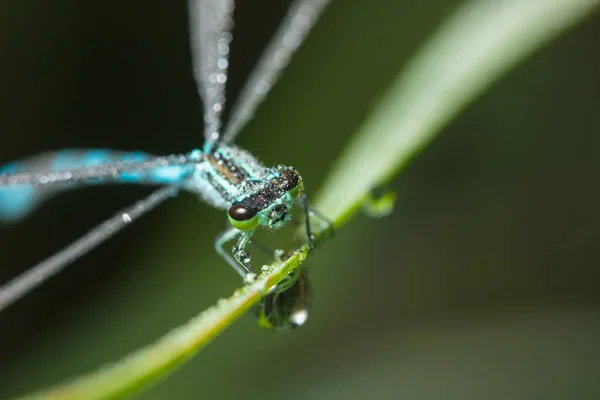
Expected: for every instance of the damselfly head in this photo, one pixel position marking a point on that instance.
(270, 202)
(287, 306)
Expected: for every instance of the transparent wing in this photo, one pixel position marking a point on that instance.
(24, 184)
(210, 34)
(29, 280)
(296, 25)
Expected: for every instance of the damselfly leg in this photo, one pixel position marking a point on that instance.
(240, 260)
(324, 224)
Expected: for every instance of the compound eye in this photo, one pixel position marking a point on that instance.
(243, 218)
(241, 213)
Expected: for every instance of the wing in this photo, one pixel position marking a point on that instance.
(26, 183)
(24, 283)
(210, 34)
(294, 29)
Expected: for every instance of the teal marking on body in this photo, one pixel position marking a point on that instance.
(15, 201)
(95, 157)
(169, 175)
(130, 177)
(138, 156)
(64, 159)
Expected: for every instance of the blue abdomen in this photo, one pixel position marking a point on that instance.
(16, 201)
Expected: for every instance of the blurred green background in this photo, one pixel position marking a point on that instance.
(483, 284)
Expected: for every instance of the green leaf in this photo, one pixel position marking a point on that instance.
(479, 43)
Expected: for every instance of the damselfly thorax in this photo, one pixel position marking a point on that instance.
(228, 177)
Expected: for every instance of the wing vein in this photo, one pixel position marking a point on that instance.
(29, 280)
(294, 29)
(210, 34)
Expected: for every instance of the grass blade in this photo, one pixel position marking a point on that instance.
(478, 44)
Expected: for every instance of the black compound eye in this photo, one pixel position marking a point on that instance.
(240, 213)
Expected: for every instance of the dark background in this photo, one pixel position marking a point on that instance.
(482, 284)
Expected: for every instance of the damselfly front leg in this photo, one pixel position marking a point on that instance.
(322, 221)
(238, 258)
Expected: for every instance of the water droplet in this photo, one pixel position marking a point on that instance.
(222, 63)
(282, 58)
(299, 317)
(243, 256)
(262, 87)
(379, 204)
(249, 278)
(126, 217)
(265, 268)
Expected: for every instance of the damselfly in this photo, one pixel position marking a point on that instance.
(224, 175)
